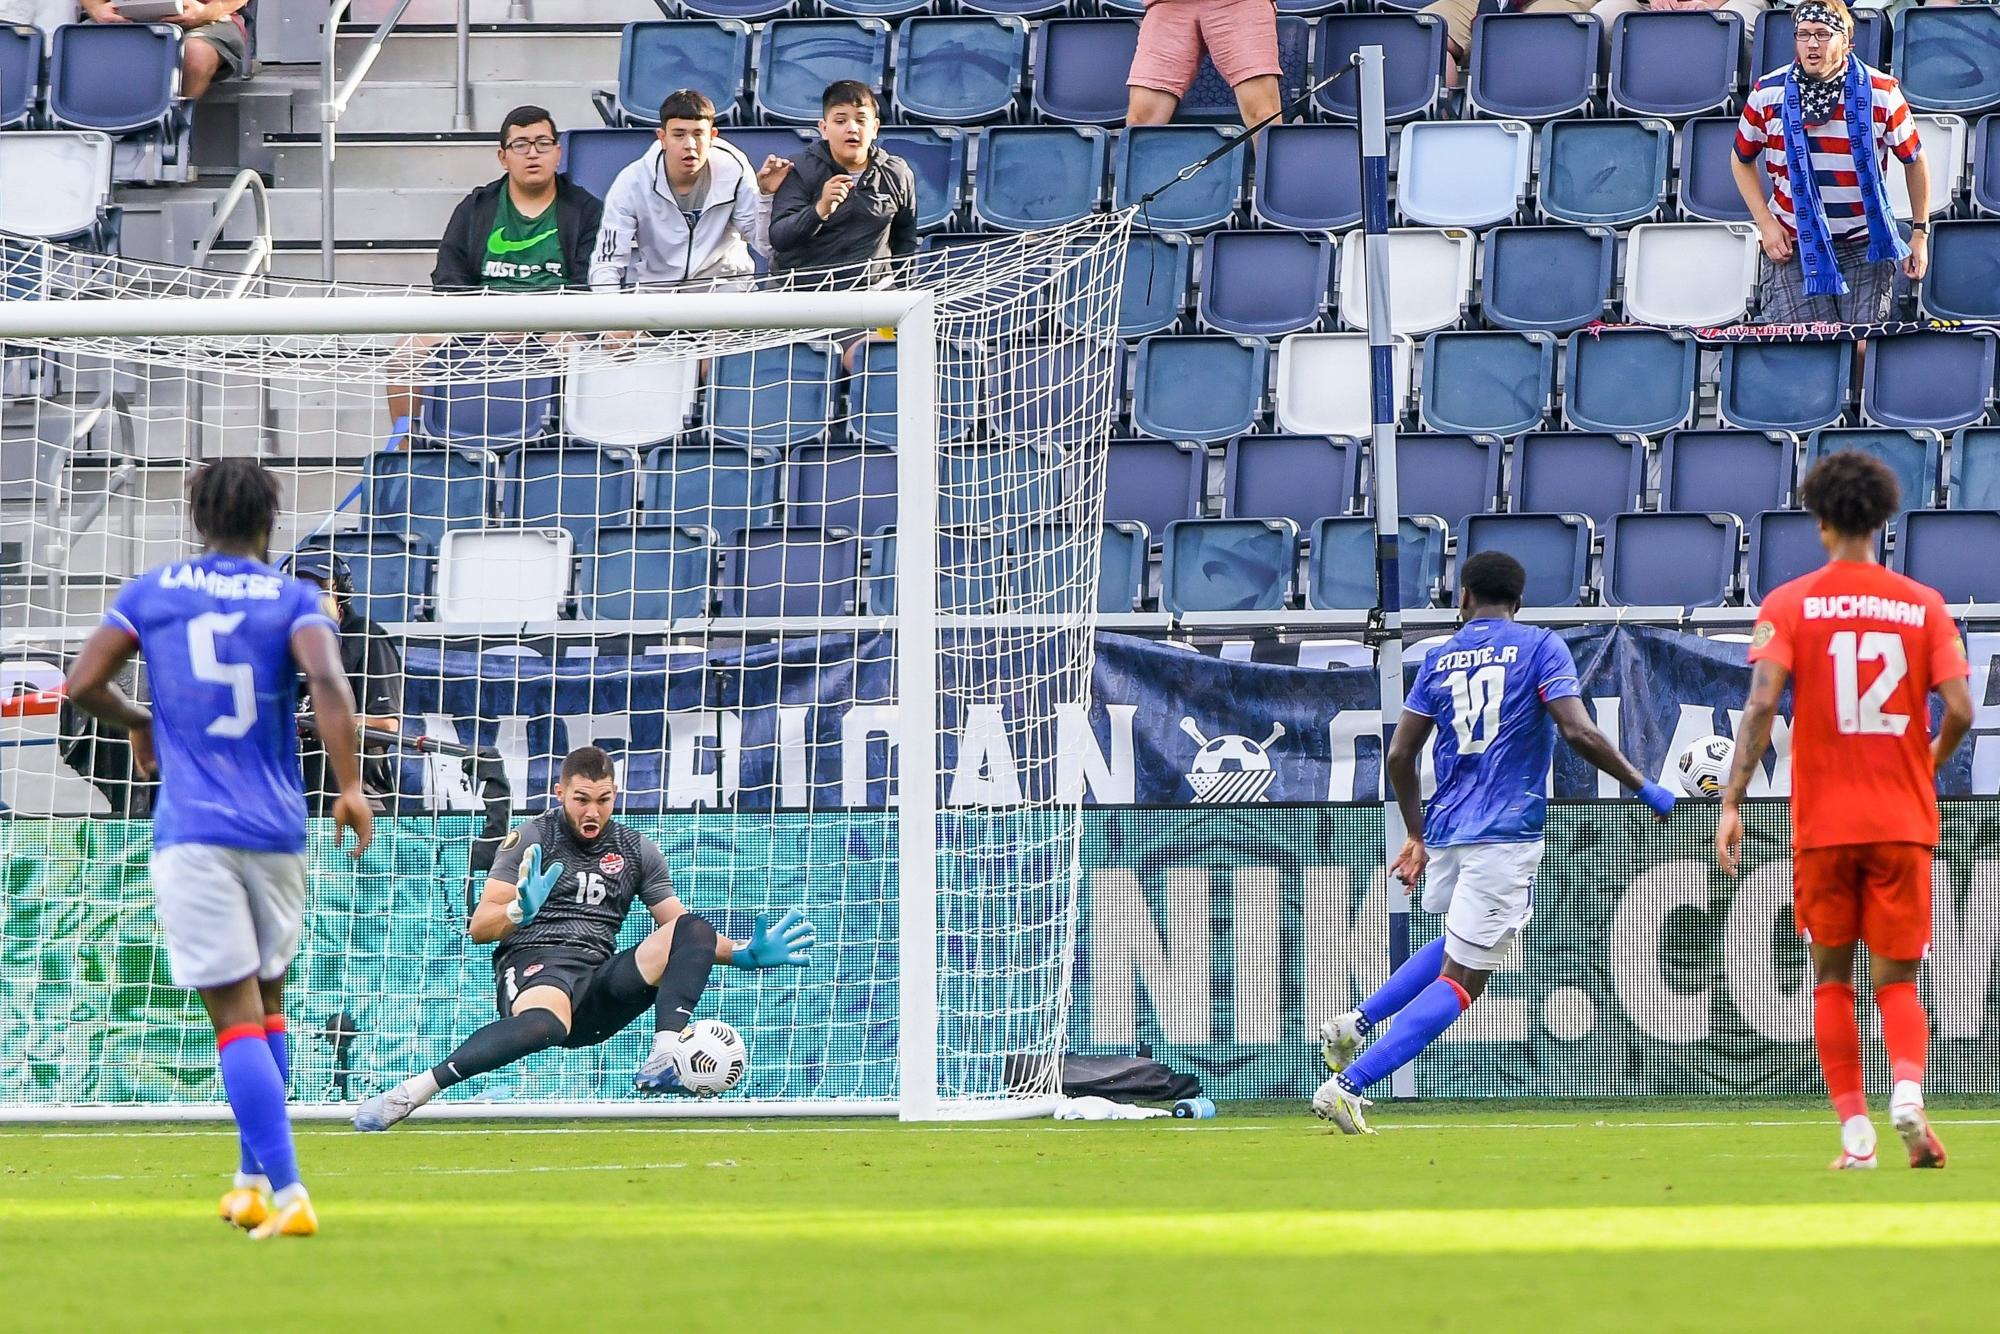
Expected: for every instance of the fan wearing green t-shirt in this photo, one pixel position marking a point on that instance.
(523, 252)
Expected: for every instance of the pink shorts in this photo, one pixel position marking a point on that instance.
(1241, 36)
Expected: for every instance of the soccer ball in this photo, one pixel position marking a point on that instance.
(1705, 766)
(710, 1058)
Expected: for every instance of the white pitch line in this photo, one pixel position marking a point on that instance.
(427, 1171)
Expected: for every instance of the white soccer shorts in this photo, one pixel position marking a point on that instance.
(1486, 893)
(226, 913)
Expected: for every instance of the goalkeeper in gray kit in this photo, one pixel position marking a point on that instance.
(553, 905)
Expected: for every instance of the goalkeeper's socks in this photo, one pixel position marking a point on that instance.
(274, 1034)
(1404, 985)
(502, 1042)
(1430, 1014)
(686, 977)
(257, 1096)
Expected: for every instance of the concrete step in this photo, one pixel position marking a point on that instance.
(389, 161)
(398, 108)
(556, 53)
(364, 214)
(393, 265)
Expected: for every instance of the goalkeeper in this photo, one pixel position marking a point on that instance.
(554, 902)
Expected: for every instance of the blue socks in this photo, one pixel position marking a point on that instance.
(274, 1033)
(1418, 971)
(1417, 1026)
(256, 1089)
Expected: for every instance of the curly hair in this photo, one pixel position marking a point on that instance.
(1493, 578)
(233, 500)
(1851, 492)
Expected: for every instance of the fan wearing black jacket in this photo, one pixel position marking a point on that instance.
(847, 202)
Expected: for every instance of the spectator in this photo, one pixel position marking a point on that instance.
(1241, 36)
(48, 15)
(215, 46)
(374, 673)
(1830, 243)
(846, 202)
(692, 208)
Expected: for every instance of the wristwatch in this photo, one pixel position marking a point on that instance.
(1920, 226)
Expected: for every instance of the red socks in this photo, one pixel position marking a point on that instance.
(1838, 1038)
(1905, 1030)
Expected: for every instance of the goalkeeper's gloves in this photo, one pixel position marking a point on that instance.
(534, 886)
(1658, 799)
(788, 945)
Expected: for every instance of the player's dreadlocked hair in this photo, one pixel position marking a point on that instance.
(589, 763)
(1493, 578)
(233, 500)
(1851, 492)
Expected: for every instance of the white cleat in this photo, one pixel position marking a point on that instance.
(1334, 1103)
(1339, 1040)
(385, 1110)
(1857, 1146)
(1906, 1113)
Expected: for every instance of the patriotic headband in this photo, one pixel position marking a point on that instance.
(1833, 15)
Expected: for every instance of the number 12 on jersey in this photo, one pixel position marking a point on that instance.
(1475, 706)
(1858, 712)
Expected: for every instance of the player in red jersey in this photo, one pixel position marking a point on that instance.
(1862, 648)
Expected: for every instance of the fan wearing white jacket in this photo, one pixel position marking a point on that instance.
(691, 210)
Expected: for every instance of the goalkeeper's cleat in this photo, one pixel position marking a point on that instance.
(293, 1217)
(659, 1075)
(1857, 1146)
(1341, 1106)
(1339, 1040)
(1906, 1111)
(386, 1109)
(245, 1207)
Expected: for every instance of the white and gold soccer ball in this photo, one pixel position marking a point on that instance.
(1705, 765)
(710, 1057)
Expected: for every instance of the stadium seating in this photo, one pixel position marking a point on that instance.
(1639, 380)
(1413, 52)
(593, 157)
(1304, 478)
(1986, 167)
(789, 571)
(575, 488)
(1210, 98)
(847, 487)
(1733, 472)
(508, 576)
(871, 393)
(1430, 280)
(659, 57)
(1202, 388)
(1957, 552)
(1153, 295)
(1964, 278)
(960, 70)
(1775, 47)
(1080, 67)
(1037, 393)
(499, 414)
(798, 58)
(1033, 176)
(1708, 190)
(1784, 544)
(968, 574)
(1495, 382)
(1547, 279)
(1026, 9)
(1340, 564)
(1322, 384)
(1912, 455)
(21, 47)
(1593, 473)
(760, 142)
(1049, 578)
(1451, 476)
(1308, 177)
(748, 11)
(1689, 274)
(392, 573)
(720, 488)
(1676, 65)
(1531, 66)
(1948, 58)
(1975, 469)
(1153, 482)
(1265, 283)
(1554, 548)
(649, 573)
(71, 198)
(121, 78)
(875, 9)
(422, 493)
(996, 487)
(937, 161)
(1928, 381)
(774, 397)
(1228, 565)
(1672, 560)
(1463, 173)
(1944, 137)
(633, 403)
(1611, 172)
(1148, 157)
(1784, 386)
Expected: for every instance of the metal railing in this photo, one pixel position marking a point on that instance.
(257, 260)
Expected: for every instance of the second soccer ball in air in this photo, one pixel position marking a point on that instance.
(710, 1057)
(1705, 766)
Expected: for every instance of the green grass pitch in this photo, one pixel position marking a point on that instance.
(1525, 1217)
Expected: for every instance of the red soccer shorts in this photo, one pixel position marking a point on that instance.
(1877, 893)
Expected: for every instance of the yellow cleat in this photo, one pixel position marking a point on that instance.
(245, 1207)
(296, 1219)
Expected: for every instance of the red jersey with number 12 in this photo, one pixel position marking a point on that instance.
(1865, 646)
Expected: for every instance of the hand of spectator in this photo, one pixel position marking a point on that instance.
(1918, 261)
(772, 174)
(193, 16)
(1776, 241)
(103, 11)
(831, 196)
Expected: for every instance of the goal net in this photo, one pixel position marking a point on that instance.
(815, 561)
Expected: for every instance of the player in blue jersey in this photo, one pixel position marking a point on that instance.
(1496, 694)
(226, 640)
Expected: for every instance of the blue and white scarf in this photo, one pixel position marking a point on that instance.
(1857, 103)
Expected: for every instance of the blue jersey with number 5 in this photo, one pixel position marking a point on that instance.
(1487, 689)
(216, 632)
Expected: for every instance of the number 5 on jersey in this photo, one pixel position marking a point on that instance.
(240, 677)
(1475, 706)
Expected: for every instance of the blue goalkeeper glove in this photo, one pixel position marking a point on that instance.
(789, 945)
(1658, 799)
(534, 886)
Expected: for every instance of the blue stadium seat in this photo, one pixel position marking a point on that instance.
(747, 11)
(999, 488)
(1150, 156)
(1964, 278)
(849, 487)
(1202, 387)
(1531, 66)
(1035, 176)
(1913, 456)
(1049, 581)
(960, 70)
(760, 142)
(122, 78)
(1975, 469)
(968, 574)
(1551, 279)
(20, 73)
(1311, 8)
(1210, 98)
(1708, 190)
(1554, 548)
(1451, 476)
(1463, 173)
(1784, 386)
(1080, 67)
(649, 573)
(1948, 57)
(798, 58)
(1265, 283)
(1732, 472)
(1044, 393)
(1784, 544)
(1670, 560)
(1957, 552)
(1986, 165)
(1024, 9)
(1500, 383)
(1412, 63)
(1304, 478)
(774, 397)
(1609, 172)
(575, 488)
(937, 160)
(593, 157)
(1308, 177)
(871, 393)
(891, 10)
(1153, 290)
(723, 488)
(1595, 474)
(1639, 380)
(657, 57)
(1153, 482)
(791, 572)
(1228, 565)
(1775, 47)
(1340, 566)
(1928, 381)
(498, 413)
(423, 492)
(393, 573)
(1675, 65)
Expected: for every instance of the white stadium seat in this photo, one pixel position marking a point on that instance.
(639, 403)
(1463, 173)
(502, 575)
(1689, 274)
(1944, 139)
(1323, 383)
(1430, 279)
(70, 171)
